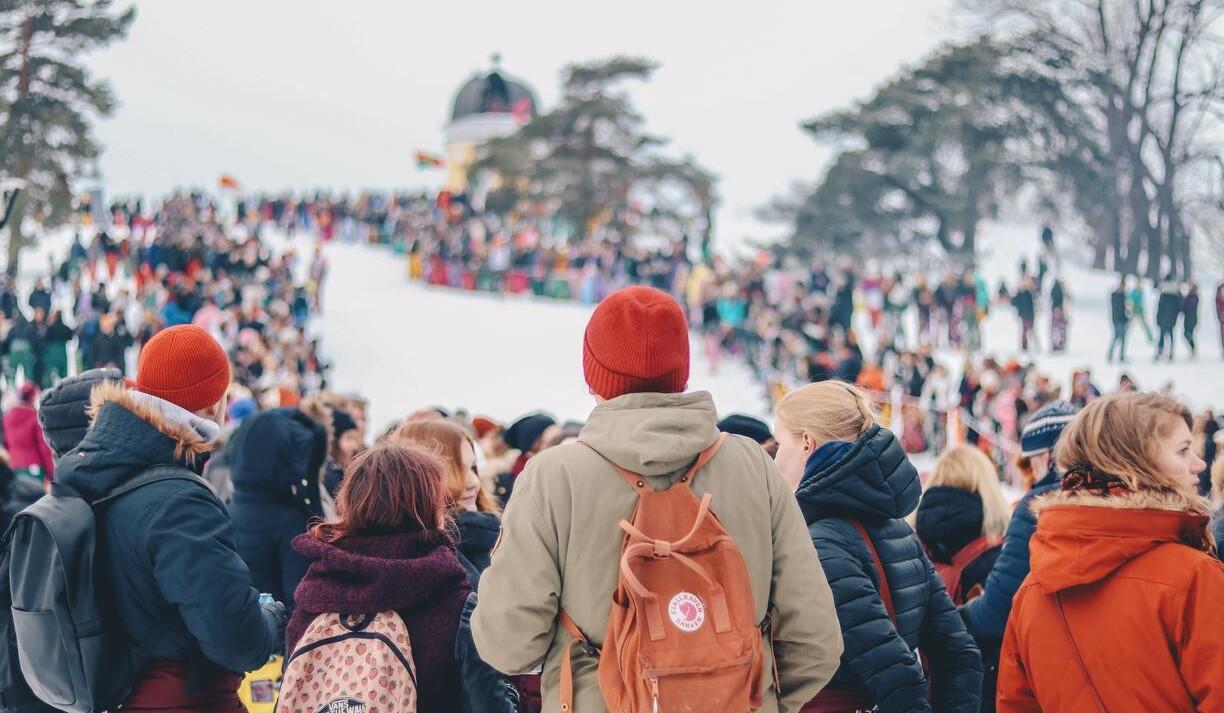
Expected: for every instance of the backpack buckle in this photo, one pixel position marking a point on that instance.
(588, 648)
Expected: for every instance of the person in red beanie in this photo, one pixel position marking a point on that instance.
(561, 543)
(181, 590)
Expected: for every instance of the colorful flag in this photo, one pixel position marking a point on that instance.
(229, 182)
(426, 160)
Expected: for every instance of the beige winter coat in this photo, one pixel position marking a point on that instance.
(560, 547)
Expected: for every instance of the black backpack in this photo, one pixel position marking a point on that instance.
(74, 653)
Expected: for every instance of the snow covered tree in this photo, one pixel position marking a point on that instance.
(47, 101)
(1147, 81)
(591, 163)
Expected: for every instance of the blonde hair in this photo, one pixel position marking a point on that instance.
(1119, 435)
(826, 411)
(967, 468)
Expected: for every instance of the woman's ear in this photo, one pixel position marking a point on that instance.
(809, 444)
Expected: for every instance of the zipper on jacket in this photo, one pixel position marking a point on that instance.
(654, 694)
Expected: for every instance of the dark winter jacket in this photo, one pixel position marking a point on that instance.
(109, 349)
(275, 460)
(1117, 306)
(875, 484)
(987, 615)
(948, 520)
(478, 533)
(485, 689)
(1169, 306)
(1026, 308)
(1190, 312)
(414, 573)
(62, 410)
(172, 559)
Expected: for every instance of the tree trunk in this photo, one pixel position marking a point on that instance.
(17, 239)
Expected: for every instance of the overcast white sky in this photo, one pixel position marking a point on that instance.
(340, 94)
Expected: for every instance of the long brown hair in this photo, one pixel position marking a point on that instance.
(446, 440)
(1119, 436)
(391, 487)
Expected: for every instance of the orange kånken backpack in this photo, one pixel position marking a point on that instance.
(682, 635)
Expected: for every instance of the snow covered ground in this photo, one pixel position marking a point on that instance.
(406, 347)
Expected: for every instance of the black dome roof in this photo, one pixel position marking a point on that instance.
(492, 93)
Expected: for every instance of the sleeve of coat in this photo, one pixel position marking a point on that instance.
(874, 652)
(1014, 694)
(955, 660)
(189, 534)
(1201, 650)
(520, 592)
(986, 615)
(807, 638)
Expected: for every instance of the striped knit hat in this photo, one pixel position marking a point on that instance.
(1043, 429)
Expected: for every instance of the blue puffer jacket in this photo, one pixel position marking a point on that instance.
(986, 616)
(873, 482)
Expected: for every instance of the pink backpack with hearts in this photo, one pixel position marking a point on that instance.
(351, 664)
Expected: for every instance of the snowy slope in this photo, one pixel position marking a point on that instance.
(406, 347)
(1199, 382)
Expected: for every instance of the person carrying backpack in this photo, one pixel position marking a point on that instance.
(378, 610)
(854, 486)
(715, 550)
(177, 600)
(961, 520)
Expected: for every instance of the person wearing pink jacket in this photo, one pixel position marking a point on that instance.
(29, 454)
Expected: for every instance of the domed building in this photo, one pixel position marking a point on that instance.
(488, 106)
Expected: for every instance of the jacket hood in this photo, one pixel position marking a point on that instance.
(400, 571)
(1084, 538)
(874, 480)
(274, 449)
(132, 432)
(948, 519)
(653, 434)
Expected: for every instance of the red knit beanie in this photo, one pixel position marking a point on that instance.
(184, 365)
(637, 341)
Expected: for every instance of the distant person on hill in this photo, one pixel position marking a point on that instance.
(1168, 311)
(1120, 315)
(1025, 302)
(1220, 311)
(1136, 300)
(1190, 316)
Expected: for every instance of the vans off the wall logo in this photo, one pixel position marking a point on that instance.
(686, 611)
(345, 705)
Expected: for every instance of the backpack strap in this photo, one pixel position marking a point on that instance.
(885, 589)
(965, 557)
(1079, 659)
(155, 474)
(567, 660)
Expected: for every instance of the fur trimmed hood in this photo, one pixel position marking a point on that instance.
(193, 436)
(130, 433)
(1083, 538)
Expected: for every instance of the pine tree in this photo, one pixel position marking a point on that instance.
(47, 101)
(590, 163)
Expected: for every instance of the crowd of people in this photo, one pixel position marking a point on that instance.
(657, 556)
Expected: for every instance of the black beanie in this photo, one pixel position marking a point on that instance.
(741, 425)
(341, 424)
(524, 433)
